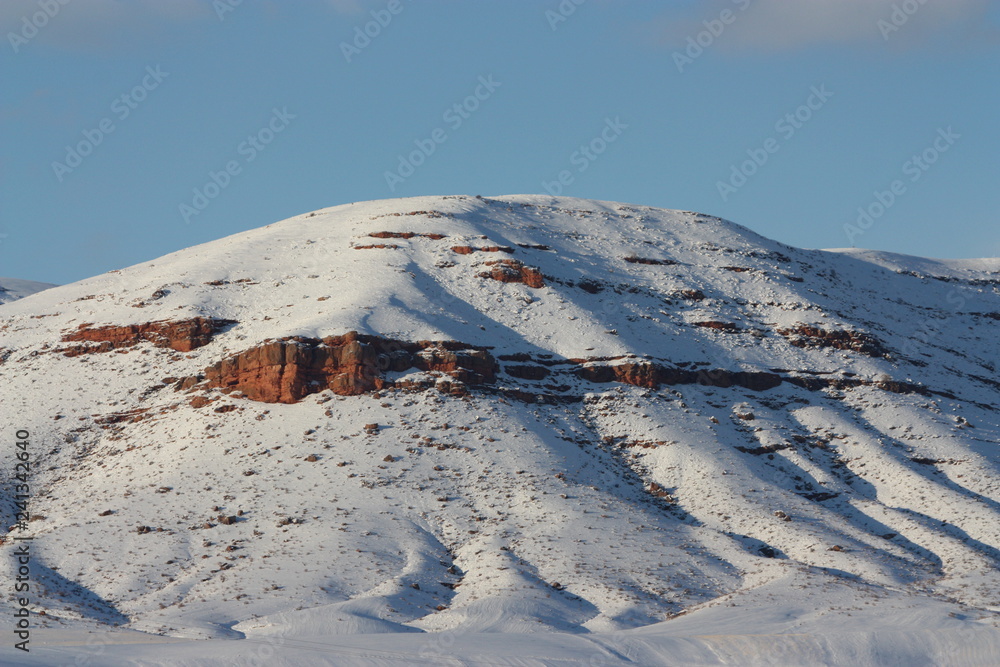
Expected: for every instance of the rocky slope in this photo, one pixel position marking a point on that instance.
(509, 414)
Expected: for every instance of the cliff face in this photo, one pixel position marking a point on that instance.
(287, 370)
(179, 335)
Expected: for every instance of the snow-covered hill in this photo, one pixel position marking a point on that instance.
(12, 289)
(552, 414)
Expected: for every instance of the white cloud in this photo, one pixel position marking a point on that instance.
(788, 25)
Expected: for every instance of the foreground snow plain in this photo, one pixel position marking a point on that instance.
(599, 523)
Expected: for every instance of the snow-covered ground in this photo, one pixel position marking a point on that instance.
(848, 515)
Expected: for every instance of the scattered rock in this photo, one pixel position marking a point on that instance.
(805, 336)
(726, 327)
(199, 401)
(513, 271)
(632, 259)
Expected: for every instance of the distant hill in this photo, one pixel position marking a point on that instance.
(12, 289)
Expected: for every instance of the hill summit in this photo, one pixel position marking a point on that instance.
(516, 414)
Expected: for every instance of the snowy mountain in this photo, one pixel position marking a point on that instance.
(513, 414)
(12, 289)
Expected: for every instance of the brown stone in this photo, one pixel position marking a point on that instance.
(287, 370)
(179, 335)
(632, 259)
(392, 235)
(727, 327)
(651, 375)
(807, 336)
(513, 271)
(468, 250)
(405, 235)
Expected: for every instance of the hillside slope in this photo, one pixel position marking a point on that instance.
(513, 414)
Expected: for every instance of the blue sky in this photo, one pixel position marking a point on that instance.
(133, 128)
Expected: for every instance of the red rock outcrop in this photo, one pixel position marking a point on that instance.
(468, 250)
(287, 370)
(727, 327)
(406, 235)
(651, 375)
(179, 335)
(806, 336)
(513, 271)
(429, 214)
(632, 259)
